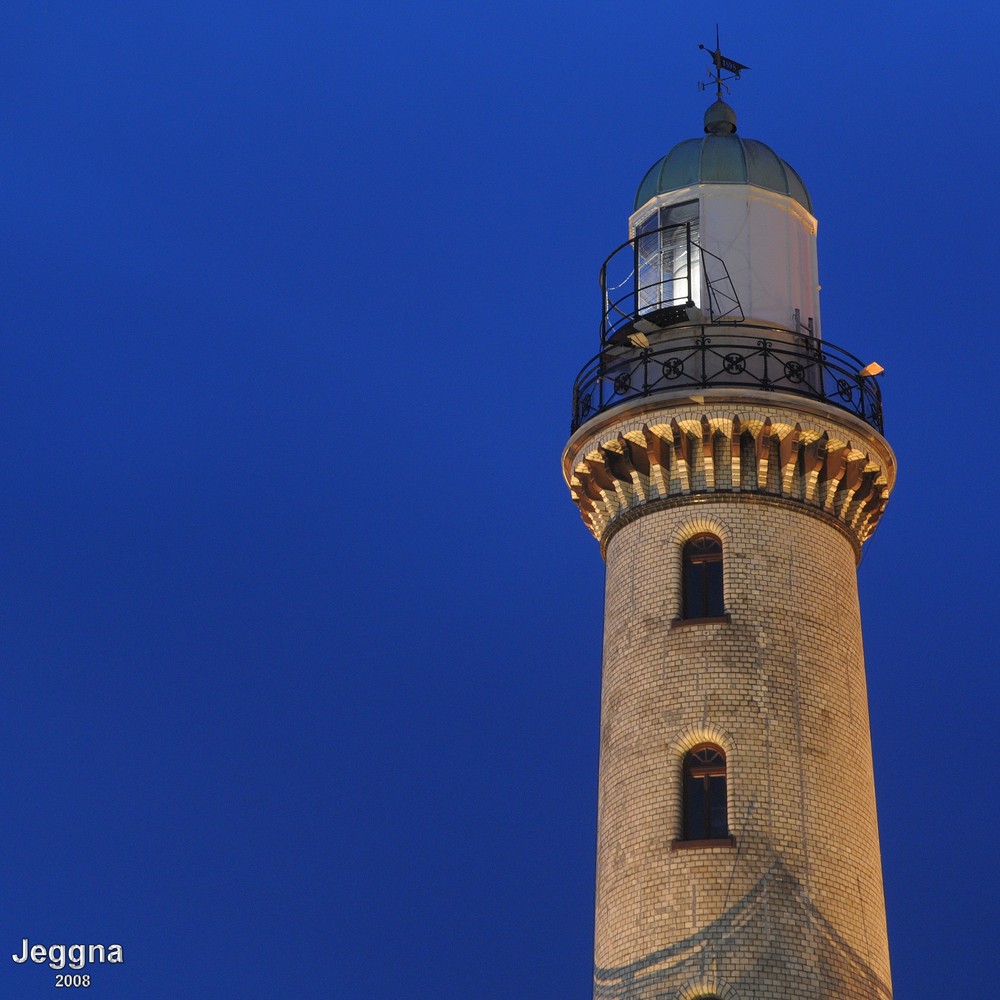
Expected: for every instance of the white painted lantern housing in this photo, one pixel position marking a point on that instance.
(740, 242)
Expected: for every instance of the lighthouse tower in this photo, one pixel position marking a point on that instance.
(731, 463)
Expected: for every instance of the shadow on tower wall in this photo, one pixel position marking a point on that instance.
(773, 942)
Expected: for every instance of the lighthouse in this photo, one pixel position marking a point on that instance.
(730, 461)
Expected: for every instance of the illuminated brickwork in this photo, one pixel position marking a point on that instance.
(791, 906)
(730, 441)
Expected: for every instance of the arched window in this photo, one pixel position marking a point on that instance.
(702, 577)
(705, 807)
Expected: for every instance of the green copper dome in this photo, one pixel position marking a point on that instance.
(722, 157)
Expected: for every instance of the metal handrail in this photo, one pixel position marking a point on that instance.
(728, 356)
(623, 300)
(623, 308)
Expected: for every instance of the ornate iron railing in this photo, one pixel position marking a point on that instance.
(719, 356)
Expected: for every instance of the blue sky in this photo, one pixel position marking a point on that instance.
(300, 630)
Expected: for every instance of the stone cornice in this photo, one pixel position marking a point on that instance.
(640, 458)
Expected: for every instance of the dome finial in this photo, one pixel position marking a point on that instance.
(720, 119)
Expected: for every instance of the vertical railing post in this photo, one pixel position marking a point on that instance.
(690, 263)
(607, 305)
(818, 352)
(635, 274)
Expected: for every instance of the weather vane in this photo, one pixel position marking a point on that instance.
(722, 64)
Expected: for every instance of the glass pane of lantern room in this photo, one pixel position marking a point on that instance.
(675, 266)
(648, 287)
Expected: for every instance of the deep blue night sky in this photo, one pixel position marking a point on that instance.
(300, 631)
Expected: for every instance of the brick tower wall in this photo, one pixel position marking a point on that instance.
(794, 907)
